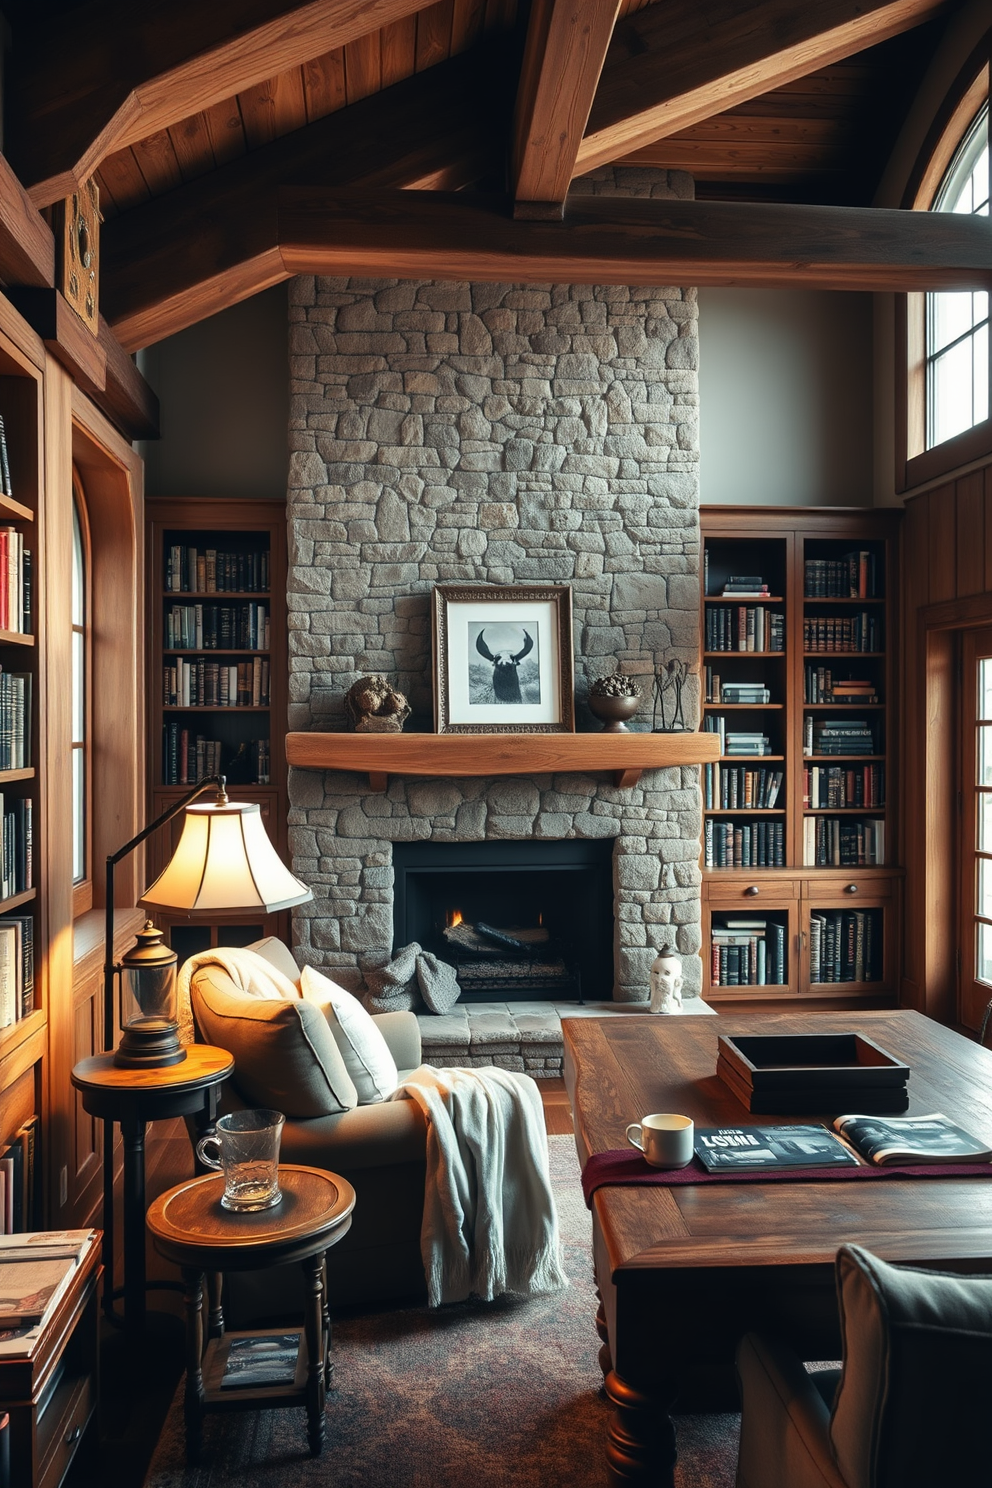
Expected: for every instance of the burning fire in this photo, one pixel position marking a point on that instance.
(454, 918)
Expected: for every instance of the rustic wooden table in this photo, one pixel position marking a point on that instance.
(684, 1272)
(189, 1226)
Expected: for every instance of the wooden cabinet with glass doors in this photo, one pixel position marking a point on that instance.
(975, 857)
(799, 854)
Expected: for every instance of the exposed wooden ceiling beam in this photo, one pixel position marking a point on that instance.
(111, 72)
(612, 240)
(27, 246)
(452, 235)
(670, 66)
(563, 58)
(210, 243)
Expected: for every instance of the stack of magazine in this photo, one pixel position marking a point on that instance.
(881, 1141)
(36, 1270)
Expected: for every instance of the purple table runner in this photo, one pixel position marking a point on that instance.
(627, 1168)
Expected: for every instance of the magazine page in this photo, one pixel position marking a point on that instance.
(740, 1147)
(911, 1139)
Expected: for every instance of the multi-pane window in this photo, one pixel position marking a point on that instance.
(80, 710)
(976, 826)
(957, 327)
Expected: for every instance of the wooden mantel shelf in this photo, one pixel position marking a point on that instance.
(625, 756)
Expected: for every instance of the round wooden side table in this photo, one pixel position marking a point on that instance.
(189, 1226)
(134, 1097)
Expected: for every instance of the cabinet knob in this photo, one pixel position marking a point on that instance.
(851, 889)
(752, 890)
(72, 1436)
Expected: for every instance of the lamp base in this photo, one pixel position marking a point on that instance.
(149, 1043)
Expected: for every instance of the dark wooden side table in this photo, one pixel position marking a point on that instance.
(188, 1225)
(134, 1097)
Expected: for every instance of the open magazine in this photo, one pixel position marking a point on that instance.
(911, 1139)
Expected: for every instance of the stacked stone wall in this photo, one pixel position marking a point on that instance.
(491, 433)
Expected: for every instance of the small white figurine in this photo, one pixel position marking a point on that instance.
(666, 982)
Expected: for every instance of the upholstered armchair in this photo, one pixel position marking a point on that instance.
(286, 1058)
(908, 1409)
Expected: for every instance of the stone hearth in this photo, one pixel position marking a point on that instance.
(491, 433)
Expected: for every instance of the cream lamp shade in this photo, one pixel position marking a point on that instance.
(225, 861)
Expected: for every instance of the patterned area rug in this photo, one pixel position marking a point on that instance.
(499, 1395)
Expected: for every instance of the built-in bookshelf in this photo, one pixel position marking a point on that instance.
(218, 665)
(799, 853)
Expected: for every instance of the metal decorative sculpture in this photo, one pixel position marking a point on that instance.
(670, 680)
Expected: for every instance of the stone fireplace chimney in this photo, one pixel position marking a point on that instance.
(492, 433)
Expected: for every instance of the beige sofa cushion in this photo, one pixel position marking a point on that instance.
(284, 1053)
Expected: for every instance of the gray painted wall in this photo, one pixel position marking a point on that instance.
(785, 400)
(785, 397)
(224, 391)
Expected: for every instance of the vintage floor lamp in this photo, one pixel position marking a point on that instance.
(223, 863)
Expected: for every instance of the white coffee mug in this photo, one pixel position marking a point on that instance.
(665, 1139)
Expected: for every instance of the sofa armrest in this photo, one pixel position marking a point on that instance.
(402, 1033)
(785, 1439)
(372, 1136)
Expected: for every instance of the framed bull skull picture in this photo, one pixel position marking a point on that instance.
(503, 659)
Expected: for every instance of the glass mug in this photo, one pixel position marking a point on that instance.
(247, 1145)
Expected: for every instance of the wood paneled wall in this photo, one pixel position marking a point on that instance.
(947, 587)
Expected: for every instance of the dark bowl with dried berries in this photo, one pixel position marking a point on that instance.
(613, 700)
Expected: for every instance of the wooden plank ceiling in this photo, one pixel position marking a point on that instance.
(775, 102)
(822, 138)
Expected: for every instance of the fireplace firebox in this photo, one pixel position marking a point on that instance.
(519, 920)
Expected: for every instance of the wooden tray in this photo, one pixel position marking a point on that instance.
(816, 1100)
(791, 1061)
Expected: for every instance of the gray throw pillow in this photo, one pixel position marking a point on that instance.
(438, 983)
(392, 980)
(285, 1056)
(911, 1407)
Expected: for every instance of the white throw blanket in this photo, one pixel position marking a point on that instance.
(250, 973)
(490, 1224)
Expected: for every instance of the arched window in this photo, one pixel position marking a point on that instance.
(82, 878)
(957, 322)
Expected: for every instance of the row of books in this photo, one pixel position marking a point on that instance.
(736, 788)
(827, 786)
(744, 628)
(854, 576)
(211, 627)
(188, 758)
(16, 846)
(748, 953)
(718, 691)
(16, 582)
(861, 632)
(15, 720)
(821, 685)
(21, 1193)
(736, 741)
(743, 845)
(16, 968)
(838, 842)
(191, 570)
(844, 946)
(838, 736)
(202, 683)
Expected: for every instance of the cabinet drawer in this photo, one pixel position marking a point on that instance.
(839, 888)
(741, 890)
(61, 1428)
